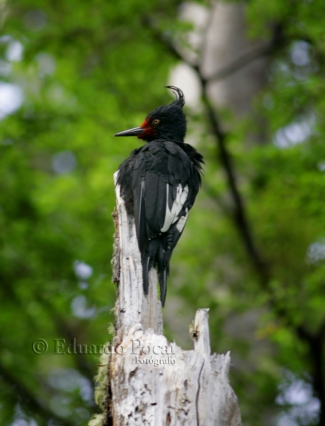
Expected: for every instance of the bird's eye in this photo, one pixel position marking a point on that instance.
(155, 121)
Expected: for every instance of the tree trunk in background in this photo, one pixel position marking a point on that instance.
(226, 40)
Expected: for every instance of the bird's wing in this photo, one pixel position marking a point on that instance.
(165, 184)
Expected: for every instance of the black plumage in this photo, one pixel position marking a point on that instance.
(159, 183)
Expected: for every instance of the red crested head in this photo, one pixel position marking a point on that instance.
(166, 122)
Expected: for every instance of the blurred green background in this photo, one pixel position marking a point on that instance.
(72, 74)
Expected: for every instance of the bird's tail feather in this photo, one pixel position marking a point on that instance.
(162, 276)
(145, 272)
(148, 261)
(155, 255)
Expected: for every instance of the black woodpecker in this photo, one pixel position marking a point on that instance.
(159, 183)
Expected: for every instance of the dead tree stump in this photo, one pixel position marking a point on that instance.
(150, 380)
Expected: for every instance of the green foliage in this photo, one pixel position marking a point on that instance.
(88, 70)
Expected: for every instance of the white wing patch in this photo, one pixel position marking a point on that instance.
(182, 222)
(171, 216)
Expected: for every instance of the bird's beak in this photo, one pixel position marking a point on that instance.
(131, 132)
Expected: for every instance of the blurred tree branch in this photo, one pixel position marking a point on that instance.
(263, 49)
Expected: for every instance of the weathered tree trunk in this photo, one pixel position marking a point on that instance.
(150, 380)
